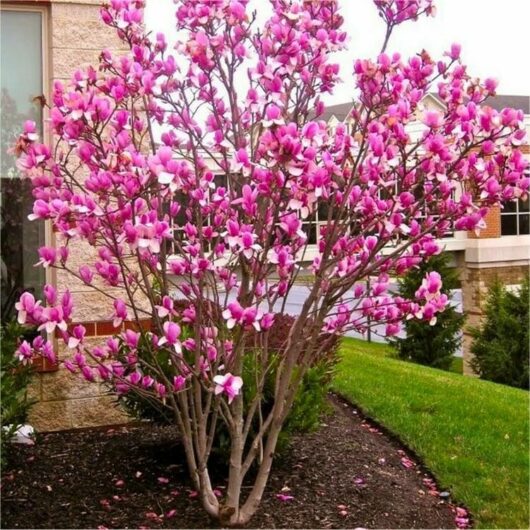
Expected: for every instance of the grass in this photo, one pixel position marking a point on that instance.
(472, 434)
(457, 366)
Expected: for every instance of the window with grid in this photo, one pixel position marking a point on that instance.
(220, 181)
(418, 191)
(515, 218)
(313, 223)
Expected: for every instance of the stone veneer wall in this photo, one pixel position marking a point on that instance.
(76, 37)
(476, 281)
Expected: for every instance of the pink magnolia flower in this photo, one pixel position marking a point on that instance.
(135, 378)
(131, 338)
(50, 294)
(241, 162)
(166, 308)
(25, 306)
(267, 321)
(51, 318)
(120, 312)
(236, 314)
(77, 336)
(48, 256)
(179, 382)
(88, 373)
(430, 286)
(433, 119)
(147, 381)
(273, 116)
(161, 390)
(30, 131)
(228, 384)
(24, 352)
(455, 51)
(171, 335)
(86, 274)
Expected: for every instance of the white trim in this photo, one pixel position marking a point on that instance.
(504, 250)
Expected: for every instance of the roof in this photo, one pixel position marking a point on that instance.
(499, 102)
(340, 111)
(516, 102)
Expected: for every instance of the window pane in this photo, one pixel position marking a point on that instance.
(21, 83)
(323, 210)
(311, 230)
(220, 180)
(508, 225)
(509, 206)
(524, 206)
(524, 224)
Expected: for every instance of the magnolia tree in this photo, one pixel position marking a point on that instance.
(139, 143)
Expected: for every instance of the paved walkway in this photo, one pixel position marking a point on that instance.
(299, 293)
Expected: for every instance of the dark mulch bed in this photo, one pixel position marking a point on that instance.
(349, 474)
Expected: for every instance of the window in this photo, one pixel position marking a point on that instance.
(220, 181)
(21, 84)
(515, 218)
(312, 224)
(428, 208)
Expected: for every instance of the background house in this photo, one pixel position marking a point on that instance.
(501, 250)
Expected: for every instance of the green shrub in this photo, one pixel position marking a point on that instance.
(425, 344)
(14, 380)
(501, 345)
(309, 403)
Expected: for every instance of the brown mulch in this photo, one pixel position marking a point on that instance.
(348, 474)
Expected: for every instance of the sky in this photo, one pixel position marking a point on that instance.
(494, 35)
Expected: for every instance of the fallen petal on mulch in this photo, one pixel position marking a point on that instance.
(283, 497)
(407, 462)
(84, 468)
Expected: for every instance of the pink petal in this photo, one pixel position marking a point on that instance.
(407, 462)
(284, 498)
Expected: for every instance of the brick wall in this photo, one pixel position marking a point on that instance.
(493, 225)
(493, 218)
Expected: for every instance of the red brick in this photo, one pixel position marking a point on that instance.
(144, 324)
(493, 225)
(106, 327)
(89, 326)
(42, 365)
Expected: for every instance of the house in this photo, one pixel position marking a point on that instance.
(43, 41)
(500, 250)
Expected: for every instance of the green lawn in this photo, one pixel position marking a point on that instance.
(472, 434)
